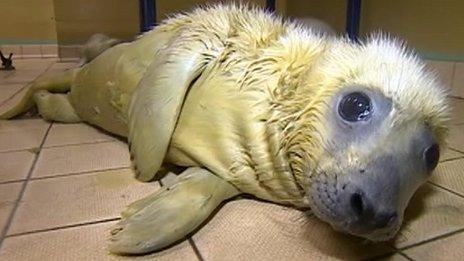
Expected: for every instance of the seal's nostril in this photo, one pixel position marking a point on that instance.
(431, 156)
(384, 219)
(357, 203)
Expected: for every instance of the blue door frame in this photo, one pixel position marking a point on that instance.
(147, 9)
(353, 15)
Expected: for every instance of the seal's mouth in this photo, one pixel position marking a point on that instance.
(351, 209)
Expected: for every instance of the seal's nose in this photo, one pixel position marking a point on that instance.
(366, 213)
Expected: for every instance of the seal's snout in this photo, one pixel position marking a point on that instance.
(363, 211)
(366, 214)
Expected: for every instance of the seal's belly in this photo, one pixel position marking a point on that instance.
(102, 90)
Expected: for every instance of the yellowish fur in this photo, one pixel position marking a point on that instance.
(292, 73)
(255, 116)
(247, 97)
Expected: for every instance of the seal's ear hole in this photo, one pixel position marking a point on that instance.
(431, 156)
(355, 106)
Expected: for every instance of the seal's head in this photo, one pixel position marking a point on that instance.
(381, 120)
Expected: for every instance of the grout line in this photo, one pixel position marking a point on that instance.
(12, 181)
(65, 175)
(25, 85)
(404, 255)
(60, 146)
(452, 159)
(63, 227)
(23, 189)
(195, 249)
(445, 188)
(190, 239)
(455, 150)
(457, 97)
(83, 143)
(31, 150)
(382, 256)
(78, 173)
(434, 239)
(14, 94)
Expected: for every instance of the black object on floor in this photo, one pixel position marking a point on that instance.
(7, 63)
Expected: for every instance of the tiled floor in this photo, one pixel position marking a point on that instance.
(62, 187)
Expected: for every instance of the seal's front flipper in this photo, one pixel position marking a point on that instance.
(158, 100)
(170, 214)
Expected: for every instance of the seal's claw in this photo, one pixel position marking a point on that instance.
(170, 214)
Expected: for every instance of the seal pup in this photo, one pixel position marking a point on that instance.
(252, 104)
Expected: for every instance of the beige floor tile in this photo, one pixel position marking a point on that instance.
(448, 248)
(432, 212)
(60, 67)
(67, 134)
(444, 70)
(393, 257)
(7, 91)
(63, 66)
(22, 134)
(450, 175)
(17, 77)
(9, 194)
(457, 111)
(458, 80)
(28, 124)
(251, 230)
(79, 243)
(456, 138)
(26, 70)
(34, 64)
(450, 154)
(81, 158)
(9, 103)
(15, 165)
(63, 201)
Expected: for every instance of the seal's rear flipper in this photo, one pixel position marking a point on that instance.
(54, 83)
(170, 214)
(55, 107)
(96, 45)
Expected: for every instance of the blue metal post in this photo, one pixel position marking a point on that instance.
(147, 14)
(353, 16)
(270, 5)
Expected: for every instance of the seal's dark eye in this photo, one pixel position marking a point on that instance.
(355, 106)
(431, 156)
